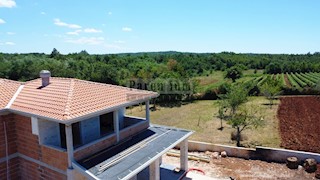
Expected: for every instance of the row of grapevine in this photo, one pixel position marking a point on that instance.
(299, 81)
(305, 80)
(310, 78)
(293, 83)
(264, 79)
(283, 81)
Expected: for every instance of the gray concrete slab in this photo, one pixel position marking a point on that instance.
(135, 154)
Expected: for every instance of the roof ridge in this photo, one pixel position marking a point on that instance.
(12, 81)
(115, 86)
(66, 114)
(15, 96)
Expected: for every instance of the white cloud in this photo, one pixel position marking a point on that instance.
(92, 30)
(76, 32)
(119, 42)
(11, 33)
(2, 21)
(109, 13)
(43, 13)
(9, 43)
(7, 3)
(126, 29)
(58, 22)
(87, 40)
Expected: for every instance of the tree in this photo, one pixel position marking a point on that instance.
(55, 53)
(221, 113)
(235, 72)
(244, 119)
(235, 96)
(238, 115)
(273, 68)
(270, 89)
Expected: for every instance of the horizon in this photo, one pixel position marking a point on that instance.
(120, 53)
(117, 27)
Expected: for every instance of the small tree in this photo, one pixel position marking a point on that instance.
(221, 113)
(270, 89)
(240, 117)
(235, 72)
(235, 96)
(244, 119)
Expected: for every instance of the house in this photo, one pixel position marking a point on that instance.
(65, 128)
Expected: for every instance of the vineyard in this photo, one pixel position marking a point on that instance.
(299, 82)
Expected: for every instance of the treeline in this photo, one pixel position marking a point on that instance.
(119, 68)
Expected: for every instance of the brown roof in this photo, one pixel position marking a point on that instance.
(7, 90)
(66, 98)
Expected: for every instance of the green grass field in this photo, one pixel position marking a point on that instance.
(214, 80)
(200, 116)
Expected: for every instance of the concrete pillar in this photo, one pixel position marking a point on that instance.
(160, 160)
(154, 170)
(184, 155)
(116, 124)
(69, 139)
(70, 175)
(147, 112)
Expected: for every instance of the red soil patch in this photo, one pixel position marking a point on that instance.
(287, 81)
(299, 119)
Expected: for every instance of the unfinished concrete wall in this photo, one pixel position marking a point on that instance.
(134, 129)
(245, 153)
(121, 114)
(94, 147)
(90, 129)
(49, 133)
(280, 155)
(261, 153)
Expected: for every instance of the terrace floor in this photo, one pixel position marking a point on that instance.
(237, 168)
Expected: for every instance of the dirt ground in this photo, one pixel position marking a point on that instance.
(243, 169)
(299, 123)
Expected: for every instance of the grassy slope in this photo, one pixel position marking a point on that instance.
(204, 112)
(211, 81)
(215, 79)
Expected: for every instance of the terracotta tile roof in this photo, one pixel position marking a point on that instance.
(65, 98)
(7, 90)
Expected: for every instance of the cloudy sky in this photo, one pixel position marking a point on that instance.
(114, 26)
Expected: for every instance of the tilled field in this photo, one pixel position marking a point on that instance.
(299, 119)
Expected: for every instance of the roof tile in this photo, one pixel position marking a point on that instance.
(7, 90)
(66, 98)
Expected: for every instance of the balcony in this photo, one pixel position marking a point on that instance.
(131, 126)
(128, 127)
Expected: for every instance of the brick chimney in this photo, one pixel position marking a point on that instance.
(45, 76)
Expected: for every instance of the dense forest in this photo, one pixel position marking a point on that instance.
(118, 68)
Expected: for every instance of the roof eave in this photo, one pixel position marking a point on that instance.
(106, 110)
(26, 114)
(80, 118)
(3, 111)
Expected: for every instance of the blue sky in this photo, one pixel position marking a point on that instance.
(115, 26)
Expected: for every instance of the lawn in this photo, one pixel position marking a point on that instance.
(200, 116)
